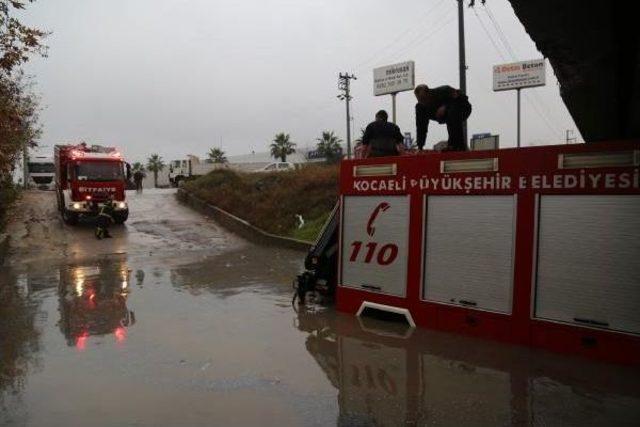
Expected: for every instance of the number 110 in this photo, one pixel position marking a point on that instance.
(385, 256)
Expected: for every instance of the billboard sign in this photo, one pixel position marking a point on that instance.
(394, 78)
(519, 75)
(318, 155)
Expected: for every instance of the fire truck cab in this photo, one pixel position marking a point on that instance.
(86, 177)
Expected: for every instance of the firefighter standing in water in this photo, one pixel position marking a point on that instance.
(443, 104)
(104, 220)
(138, 176)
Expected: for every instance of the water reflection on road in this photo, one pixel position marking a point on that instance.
(217, 342)
(93, 301)
(391, 375)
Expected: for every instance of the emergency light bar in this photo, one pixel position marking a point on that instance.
(469, 165)
(601, 159)
(375, 170)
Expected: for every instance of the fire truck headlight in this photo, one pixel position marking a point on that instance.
(122, 205)
(76, 206)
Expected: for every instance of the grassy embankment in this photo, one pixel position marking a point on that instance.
(271, 201)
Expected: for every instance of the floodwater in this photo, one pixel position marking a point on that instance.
(177, 322)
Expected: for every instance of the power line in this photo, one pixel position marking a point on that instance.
(489, 36)
(548, 124)
(402, 34)
(501, 34)
(423, 38)
(505, 41)
(535, 103)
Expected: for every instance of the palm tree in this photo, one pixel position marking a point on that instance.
(329, 146)
(137, 166)
(216, 155)
(155, 165)
(282, 146)
(361, 135)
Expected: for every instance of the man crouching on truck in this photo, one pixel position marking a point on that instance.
(104, 220)
(443, 104)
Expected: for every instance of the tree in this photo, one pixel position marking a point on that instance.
(137, 166)
(17, 41)
(18, 106)
(155, 164)
(216, 155)
(361, 138)
(18, 120)
(282, 146)
(329, 146)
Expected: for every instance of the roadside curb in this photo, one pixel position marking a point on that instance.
(239, 226)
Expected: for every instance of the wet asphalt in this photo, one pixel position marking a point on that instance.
(175, 321)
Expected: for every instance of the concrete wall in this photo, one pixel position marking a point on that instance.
(594, 50)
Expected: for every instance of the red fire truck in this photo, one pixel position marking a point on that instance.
(86, 176)
(535, 246)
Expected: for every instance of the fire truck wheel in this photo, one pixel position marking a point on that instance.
(70, 218)
(121, 217)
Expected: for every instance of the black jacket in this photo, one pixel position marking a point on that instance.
(382, 138)
(438, 96)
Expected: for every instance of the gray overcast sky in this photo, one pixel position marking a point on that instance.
(180, 76)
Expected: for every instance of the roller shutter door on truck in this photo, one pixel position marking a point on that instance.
(375, 233)
(588, 261)
(469, 251)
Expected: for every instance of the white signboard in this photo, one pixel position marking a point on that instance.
(519, 75)
(374, 243)
(394, 78)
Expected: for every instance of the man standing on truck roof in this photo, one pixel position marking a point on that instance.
(443, 104)
(381, 138)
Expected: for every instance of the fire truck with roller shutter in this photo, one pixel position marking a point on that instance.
(86, 177)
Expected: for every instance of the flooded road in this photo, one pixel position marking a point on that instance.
(177, 322)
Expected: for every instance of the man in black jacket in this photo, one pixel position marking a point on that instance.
(381, 137)
(443, 104)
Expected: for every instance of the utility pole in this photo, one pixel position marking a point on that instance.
(344, 82)
(569, 138)
(462, 60)
(518, 140)
(393, 106)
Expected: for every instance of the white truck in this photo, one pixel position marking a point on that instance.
(41, 172)
(191, 167)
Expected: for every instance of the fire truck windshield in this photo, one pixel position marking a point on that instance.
(99, 171)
